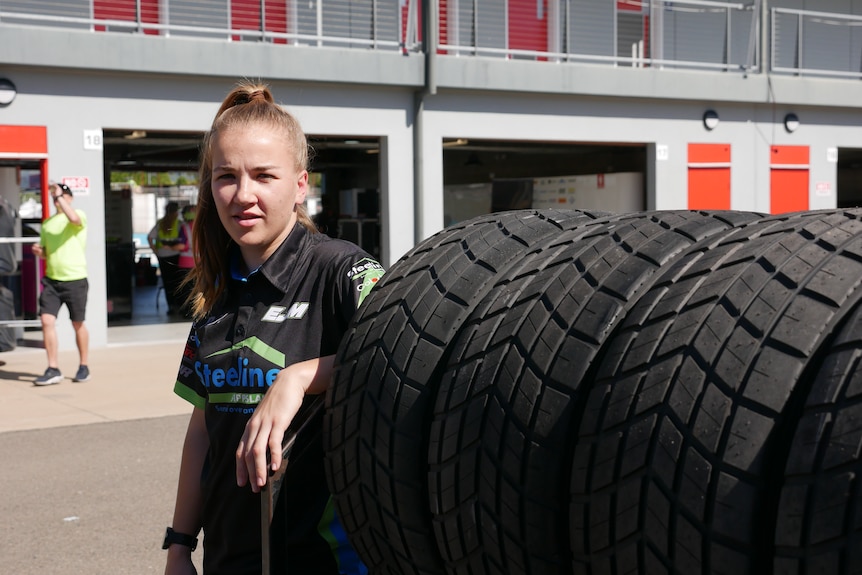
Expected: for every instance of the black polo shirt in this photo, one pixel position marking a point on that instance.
(295, 307)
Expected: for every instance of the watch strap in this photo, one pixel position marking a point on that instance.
(173, 537)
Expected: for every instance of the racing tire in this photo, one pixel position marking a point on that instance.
(509, 402)
(819, 526)
(387, 368)
(680, 457)
(670, 392)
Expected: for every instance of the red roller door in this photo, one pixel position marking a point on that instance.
(245, 15)
(127, 11)
(528, 25)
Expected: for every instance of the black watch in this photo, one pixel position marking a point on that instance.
(172, 537)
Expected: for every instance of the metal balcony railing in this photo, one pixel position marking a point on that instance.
(694, 34)
(700, 34)
(371, 24)
(816, 43)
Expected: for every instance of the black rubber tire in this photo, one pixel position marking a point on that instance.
(683, 444)
(687, 385)
(819, 527)
(387, 368)
(509, 402)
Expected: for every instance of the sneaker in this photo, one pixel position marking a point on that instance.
(51, 376)
(83, 374)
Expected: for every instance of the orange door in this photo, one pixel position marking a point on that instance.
(709, 176)
(788, 179)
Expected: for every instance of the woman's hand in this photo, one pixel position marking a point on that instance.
(265, 430)
(180, 561)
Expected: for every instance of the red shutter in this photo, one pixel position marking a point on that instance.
(126, 11)
(528, 25)
(245, 15)
(641, 6)
(276, 18)
(443, 32)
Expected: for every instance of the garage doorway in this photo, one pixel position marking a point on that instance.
(147, 168)
(849, 178)
(484, 176)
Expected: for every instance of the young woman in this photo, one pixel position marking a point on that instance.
(272, 299)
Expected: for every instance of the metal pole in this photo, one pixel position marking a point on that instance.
(475, 27)
(764, 36)
(319, 22)
(374, 23)
(615, 34)
(727, 38)
(430, 28)
(799, 65)
(756, 15)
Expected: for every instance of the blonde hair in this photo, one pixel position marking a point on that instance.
(249, 104)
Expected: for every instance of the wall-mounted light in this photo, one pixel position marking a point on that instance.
(791, 122)
(710, 119)
(136, 135)
(8, 91)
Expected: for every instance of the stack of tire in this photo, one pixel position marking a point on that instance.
(544, 392)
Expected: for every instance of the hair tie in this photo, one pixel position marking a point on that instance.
(257, 95)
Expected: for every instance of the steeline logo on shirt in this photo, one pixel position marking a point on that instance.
(230, 381)
(366, 272)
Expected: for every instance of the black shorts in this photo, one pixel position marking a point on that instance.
(73, 294)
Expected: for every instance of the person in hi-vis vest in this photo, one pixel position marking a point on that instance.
(164, 240)
(187, 258)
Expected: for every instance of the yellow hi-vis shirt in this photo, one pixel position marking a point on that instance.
(65, 247)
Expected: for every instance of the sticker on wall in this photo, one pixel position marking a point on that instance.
(80, 185)
(823, 189)
(832, 155)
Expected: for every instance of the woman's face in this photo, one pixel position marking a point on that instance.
(256, 189)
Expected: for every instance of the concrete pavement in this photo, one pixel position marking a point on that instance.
(89, 469)
(132, 378)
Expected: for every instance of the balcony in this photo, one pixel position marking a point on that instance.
(806, 43)
(692, 34)
(705, 35)
(375, 24)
